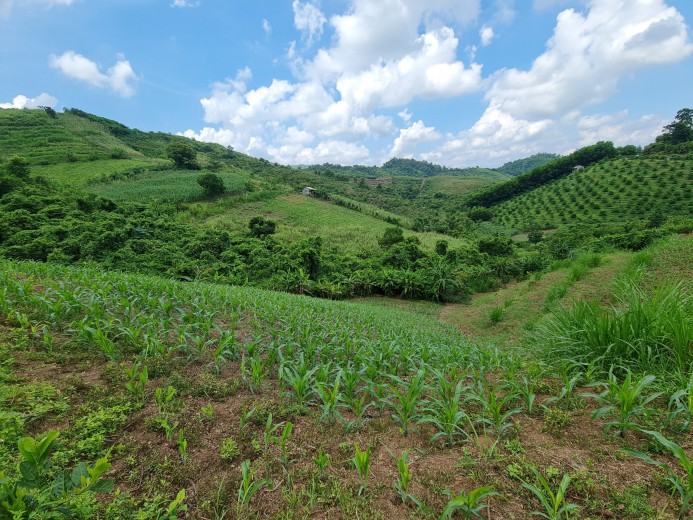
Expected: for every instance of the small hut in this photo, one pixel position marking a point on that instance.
(308, 191)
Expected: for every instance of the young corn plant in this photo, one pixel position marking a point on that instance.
(137, 382)
(283, 444)
(625, 401)
(681, 408)
(444, 410)
(330, 397)
(469, 505)
(321, 461)
(362, 463)
(247, 489)
(554, 502)
(182, 446)
(168, 428)
(269, 431)
(300, 379)
(164, 397)
(493, 405)
(567, 398)
(405, 399)
(404, 477)
(682, 485)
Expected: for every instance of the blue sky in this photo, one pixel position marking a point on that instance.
(456, 82)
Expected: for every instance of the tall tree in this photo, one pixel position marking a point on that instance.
(681, 130)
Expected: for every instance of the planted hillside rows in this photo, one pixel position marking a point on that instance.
(314, 372)
(611, 191)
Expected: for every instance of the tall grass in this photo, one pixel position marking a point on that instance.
(643, 331)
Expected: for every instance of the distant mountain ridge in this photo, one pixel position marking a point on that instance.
(520, 166)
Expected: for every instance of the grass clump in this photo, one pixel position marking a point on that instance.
(643, 331)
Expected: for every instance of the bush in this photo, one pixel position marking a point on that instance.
(392, 236)
(212, 185)
(183, 155)
(260, 227)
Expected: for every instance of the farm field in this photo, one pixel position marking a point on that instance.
(298, 216)
(616, 190)
(284, 406)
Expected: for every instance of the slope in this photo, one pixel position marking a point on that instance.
(615, 190)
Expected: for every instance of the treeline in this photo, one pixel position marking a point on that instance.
(542, 175)
(520, 166)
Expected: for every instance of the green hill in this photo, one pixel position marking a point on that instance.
(615, 190)
(521, 166)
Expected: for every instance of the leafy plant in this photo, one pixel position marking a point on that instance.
(681, 406)
(182, 445)
(362, 463)
(321, 460)
(229, 449)
(137, 382)
(404, 476)
(469, 505)
(444, 410)
(625, 400)
(248, 488)
(554, 502)
(33, 495)
(405, 399)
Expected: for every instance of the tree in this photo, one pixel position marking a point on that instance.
(212, 184)
(18, 166)
(260, 227)
(183, 155)
(681, 130)
(392, 236)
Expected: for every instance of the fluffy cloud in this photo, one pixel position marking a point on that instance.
(588, 54)
(42, 100)
(343, 101)
(309, 20)
(486, 34)
(7, 5)
(119, 78)
(405, 143)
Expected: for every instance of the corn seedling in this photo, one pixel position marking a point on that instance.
(246, 415)
(362, 463)
(282, 442)
(207, 412)
(300, 379)
(469, 505)
(331, 397)
(182, 446)
(164, 396)
(682, 485)
(625, 401)
(493, 406)
(248, 488)
(167, 427)
(321, 461)
(681, 407)
(554, 502)
(404, 477)
(269, 431)
(406, 398)
(137, 382)
(444, 411)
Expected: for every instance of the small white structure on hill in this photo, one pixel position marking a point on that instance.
(578, 168)
(308, 191)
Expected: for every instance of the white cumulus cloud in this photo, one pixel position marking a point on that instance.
(308, 19)
(486, 34)
(120, 77)
(417, 132)
(589, 53)
(21, 101)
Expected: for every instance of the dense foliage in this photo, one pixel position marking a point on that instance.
(521, 166)
(543, 174)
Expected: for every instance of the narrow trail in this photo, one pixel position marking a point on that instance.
(423, 183)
